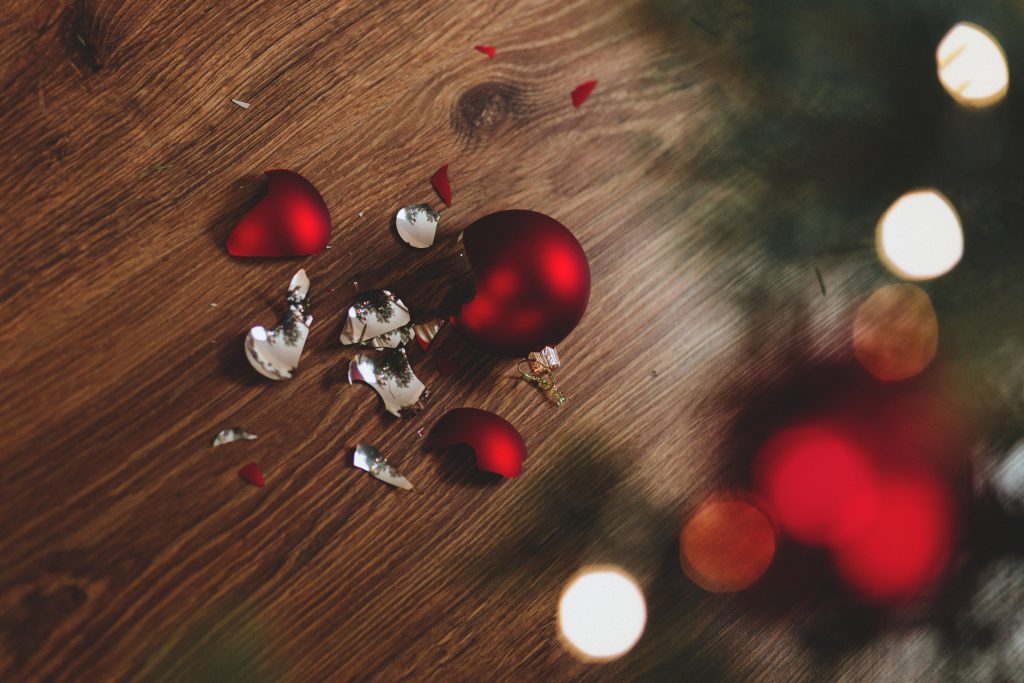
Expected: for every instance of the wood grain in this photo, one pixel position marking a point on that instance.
(130, 548)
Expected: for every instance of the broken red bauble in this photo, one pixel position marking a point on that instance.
(532, 283)
(252, 474)
(497, 444)
(292, 220)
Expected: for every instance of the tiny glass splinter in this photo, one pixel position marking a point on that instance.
(368, 458)
(417, 225)
(275, 353)
(233, 434)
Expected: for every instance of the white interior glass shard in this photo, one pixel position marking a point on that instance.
(389, 373)
(417, 225)
(298, 289)
(374, 313)
(275, 353)
(368, 458)
(233, 434)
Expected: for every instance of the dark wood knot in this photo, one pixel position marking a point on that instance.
(83, 36)
(486, 107)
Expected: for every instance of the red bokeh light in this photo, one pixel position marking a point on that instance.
(876, 497)
(908, 544)
(820, 487)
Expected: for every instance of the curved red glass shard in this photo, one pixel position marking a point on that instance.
(498, 446)
(582, 92)
(252, 474)
(440, 182)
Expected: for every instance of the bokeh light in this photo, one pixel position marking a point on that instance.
(819, 487)
(919, 236)
(896, 332)
(602, 613)
(907, 546)
(972, 66)
(870, 490)
(726, 545)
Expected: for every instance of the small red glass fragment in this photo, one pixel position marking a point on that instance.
(441, 184)
(252, 474)
(582, 92)
(486, 49)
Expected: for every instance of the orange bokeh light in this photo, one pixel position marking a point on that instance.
(896, 332)
(726, 545)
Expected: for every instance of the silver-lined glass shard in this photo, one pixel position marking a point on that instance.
(233, 434)
(389, 373)
(275, 353)
(417, 225)
(368, 458)
(375, 313)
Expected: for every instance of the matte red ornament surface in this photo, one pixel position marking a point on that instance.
(292, 220)
(532, 283)
(498, 446)
(252, 474)
(582, 92)
(443, 186)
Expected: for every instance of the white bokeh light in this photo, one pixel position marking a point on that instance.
(972, 66)
(602, 613)
(919, 236)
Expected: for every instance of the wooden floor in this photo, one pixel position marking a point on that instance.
(131, 549)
